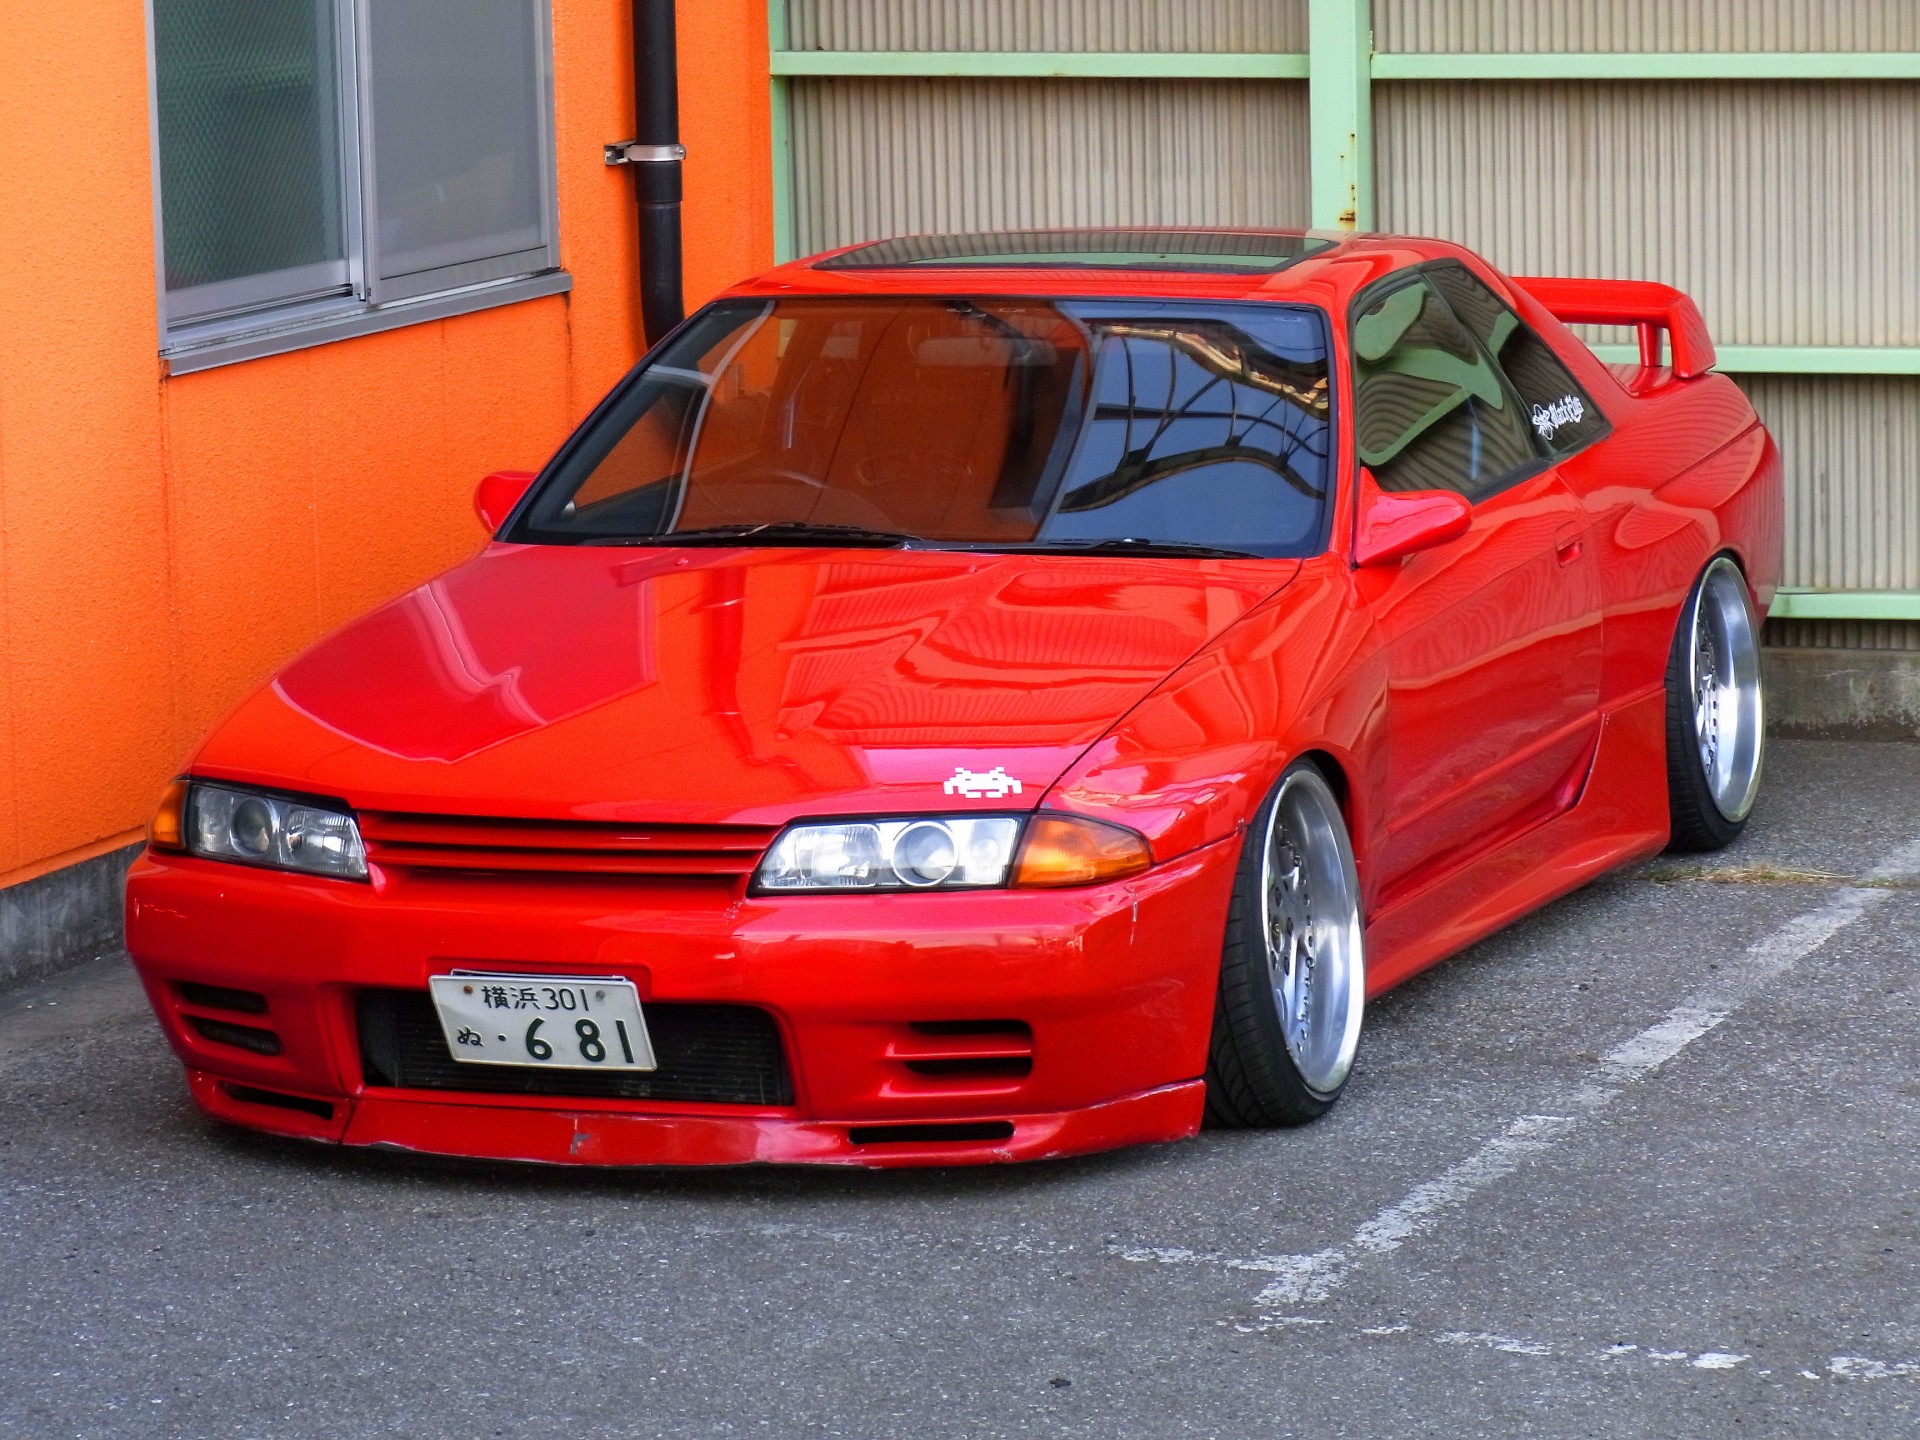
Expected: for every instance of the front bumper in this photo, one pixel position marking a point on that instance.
(881, 1003)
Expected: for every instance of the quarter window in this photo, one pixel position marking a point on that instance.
(1432, 412)
(1560, 413)
(319, 159)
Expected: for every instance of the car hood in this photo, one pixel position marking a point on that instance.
(713, 686)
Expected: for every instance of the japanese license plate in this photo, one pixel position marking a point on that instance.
(554, 1021)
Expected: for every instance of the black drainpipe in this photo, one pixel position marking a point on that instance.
(655, 154)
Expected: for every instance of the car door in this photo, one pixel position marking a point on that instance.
(1491, 643)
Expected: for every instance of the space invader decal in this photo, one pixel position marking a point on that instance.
(991, 784)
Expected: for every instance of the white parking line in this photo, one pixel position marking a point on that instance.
(1835, 1367)
(1311, 1278)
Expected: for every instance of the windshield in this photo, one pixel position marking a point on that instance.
(961, 423)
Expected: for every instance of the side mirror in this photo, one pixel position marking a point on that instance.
(1391, 525)
(497, 496)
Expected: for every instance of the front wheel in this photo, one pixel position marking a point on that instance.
(1293, 978)
(1715, 716)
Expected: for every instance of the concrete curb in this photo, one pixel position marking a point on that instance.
(1843, 694)
(63, 918)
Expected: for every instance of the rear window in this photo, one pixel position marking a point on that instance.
(978, 422)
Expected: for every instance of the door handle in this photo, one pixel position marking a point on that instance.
(1568, 545)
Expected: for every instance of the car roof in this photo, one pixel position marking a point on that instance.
(1210, 262)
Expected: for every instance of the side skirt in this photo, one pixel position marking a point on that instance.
(1621, 817)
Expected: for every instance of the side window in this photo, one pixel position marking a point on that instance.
(1431, 412)
(1558, 410)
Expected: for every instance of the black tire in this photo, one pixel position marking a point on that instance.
(1253, 1079)
(1699, 822)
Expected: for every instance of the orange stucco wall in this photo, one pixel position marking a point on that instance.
(166, 542)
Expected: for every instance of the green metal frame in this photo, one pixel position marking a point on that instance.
(1340, 112)
(1340, 68)
(1039, 64)
(1651, 65)
(1796, 359)
(781, 119)
(1808, 604)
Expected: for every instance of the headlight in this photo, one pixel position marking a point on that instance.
(950, 852)
(255, 827)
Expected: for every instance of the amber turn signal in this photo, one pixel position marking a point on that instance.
(1067, 850)
(167, 830)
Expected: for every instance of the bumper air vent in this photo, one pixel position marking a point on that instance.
(965, 1049)
(716, 1054)
(955, 1133)
(254, 1095)
(476, 844)
(241, 1037)
(222, 997)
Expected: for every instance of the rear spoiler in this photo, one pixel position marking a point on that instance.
(1645, 304)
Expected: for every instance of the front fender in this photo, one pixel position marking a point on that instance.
(1190, 764)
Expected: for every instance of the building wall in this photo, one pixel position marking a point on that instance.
(887, 157)
(166, 542)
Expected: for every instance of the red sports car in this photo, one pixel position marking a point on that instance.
(984, 697)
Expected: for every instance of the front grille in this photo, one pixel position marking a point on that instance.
(576, 847)
(719, 1054)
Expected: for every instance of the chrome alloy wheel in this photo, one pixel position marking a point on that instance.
(1311, 923)
(1724, 678)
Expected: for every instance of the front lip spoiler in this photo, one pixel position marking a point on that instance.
(462, 1128)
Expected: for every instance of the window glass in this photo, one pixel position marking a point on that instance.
(457, 97)
(1558, 410)
(966, 421)
(1431, 411)
(1209, 428)
(248, 96)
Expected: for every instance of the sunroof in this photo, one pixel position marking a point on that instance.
(1247, 252)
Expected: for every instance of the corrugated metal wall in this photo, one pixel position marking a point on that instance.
(1534, 26)
(1851, 449)
(1787, 210)
(1184, 26)
(889, 157)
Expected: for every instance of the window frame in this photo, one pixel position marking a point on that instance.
(252, 316)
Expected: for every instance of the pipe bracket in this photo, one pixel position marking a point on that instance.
(632, 152)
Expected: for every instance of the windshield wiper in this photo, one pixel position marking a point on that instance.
(777, 532)
(1132, 545)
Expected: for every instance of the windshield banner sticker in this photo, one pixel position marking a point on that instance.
(1567, 410)
(993, 784)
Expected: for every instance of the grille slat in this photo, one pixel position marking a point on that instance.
(718, 1054)
(586, 847)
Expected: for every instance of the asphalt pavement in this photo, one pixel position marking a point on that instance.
(1645, 1165)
